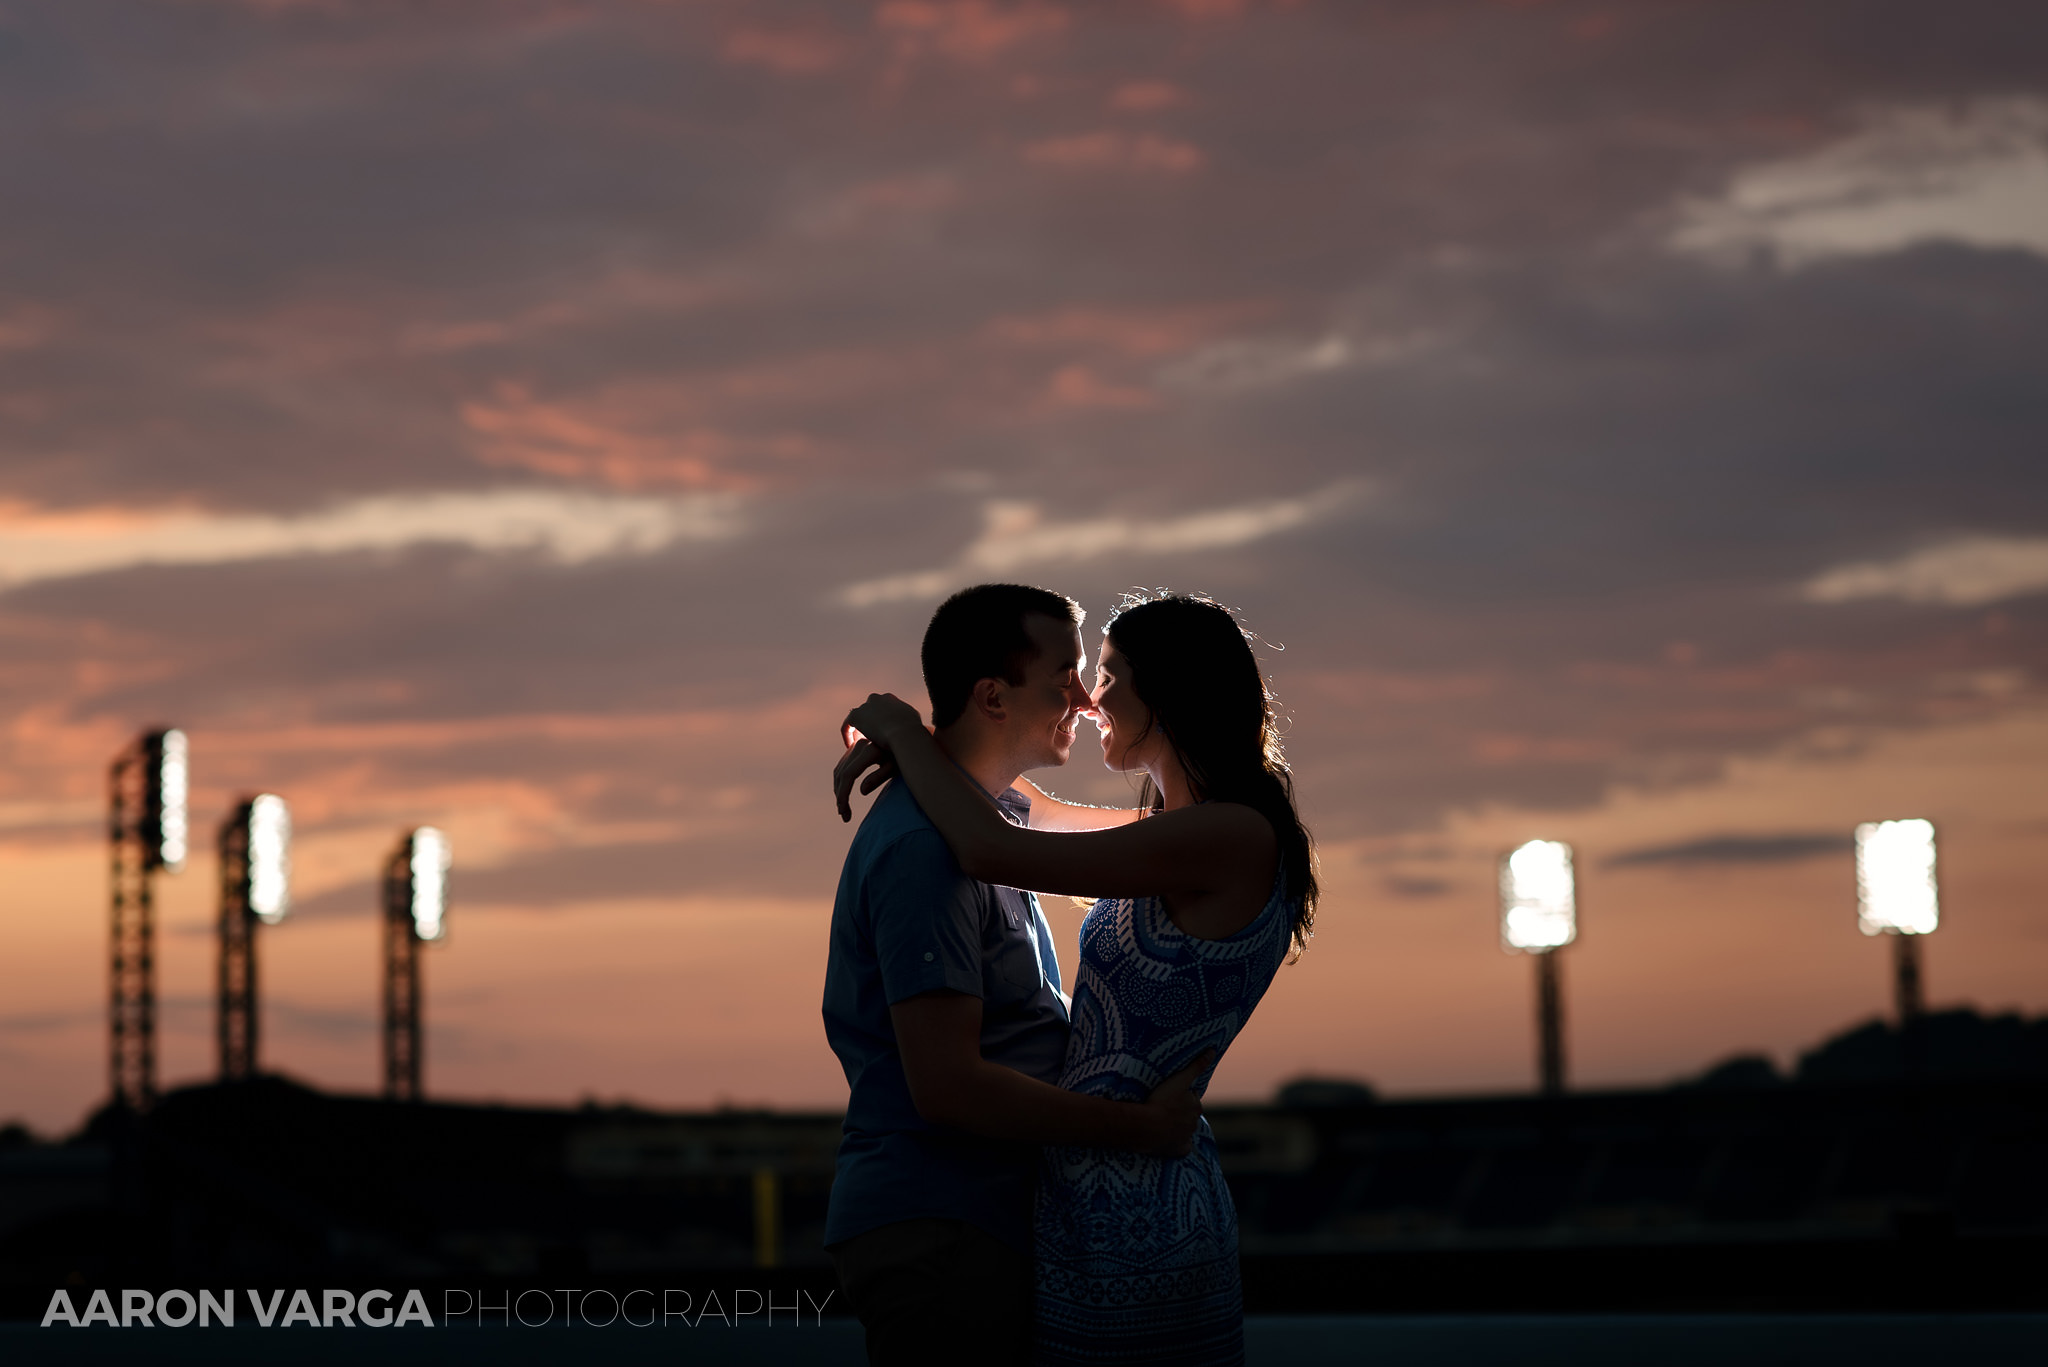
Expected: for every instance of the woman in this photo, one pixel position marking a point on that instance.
(1137, 1256)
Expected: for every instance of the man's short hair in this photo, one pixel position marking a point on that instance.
(978, 634)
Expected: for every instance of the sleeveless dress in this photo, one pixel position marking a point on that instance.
(1137, 1256)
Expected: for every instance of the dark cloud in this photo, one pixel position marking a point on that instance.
(361, 898)
(30, 1022)
(755, 860)
(1783, 848)
(1401, 885)
(343, 1027)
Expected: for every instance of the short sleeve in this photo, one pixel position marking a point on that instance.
(927, 919)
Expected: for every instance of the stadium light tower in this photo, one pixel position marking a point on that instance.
(1896, 895)
(146, 828)
(1539, 915)
(255, 888)
(415, 911)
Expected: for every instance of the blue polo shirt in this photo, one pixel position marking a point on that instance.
(908, 921)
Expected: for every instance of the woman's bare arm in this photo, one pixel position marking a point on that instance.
(868, 766)
(1196, 849)
(1049, 813)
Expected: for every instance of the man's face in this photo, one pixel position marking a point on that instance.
(1045, 708)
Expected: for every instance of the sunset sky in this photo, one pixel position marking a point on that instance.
(1627, 423)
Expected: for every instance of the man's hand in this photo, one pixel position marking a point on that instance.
(861, 754)
(1178, 1109)
(951, 1084)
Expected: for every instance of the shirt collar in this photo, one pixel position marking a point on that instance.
(1015, 806)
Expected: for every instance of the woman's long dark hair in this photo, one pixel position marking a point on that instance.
(1192, 666)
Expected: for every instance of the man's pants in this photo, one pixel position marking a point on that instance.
(937, 1292)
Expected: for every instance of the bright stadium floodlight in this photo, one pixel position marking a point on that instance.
(1897, 895)
(270, 858)
(1538, 903)
(169, 783)
(1539, 915)
(430, 863)
(1895, 888)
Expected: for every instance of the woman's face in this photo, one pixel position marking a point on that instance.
(1120, 716)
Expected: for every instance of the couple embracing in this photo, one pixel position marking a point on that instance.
(1025, 1175)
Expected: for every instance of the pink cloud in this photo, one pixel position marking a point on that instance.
(1511, 748)
(890, 203)
(798, 716)
(631, 450)
(1207, 9)
(1077, 386)
(1371, 687)
(966, 30)
(787, 52)
(26, 328)
(1116, 151)
(1145, 97)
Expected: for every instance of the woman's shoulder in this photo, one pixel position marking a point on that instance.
(1241, 833)
(1220, 819)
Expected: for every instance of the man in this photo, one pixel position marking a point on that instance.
(943, 1003)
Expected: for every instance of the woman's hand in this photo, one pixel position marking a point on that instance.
(883, 715)
(866, 747)
(860, 756)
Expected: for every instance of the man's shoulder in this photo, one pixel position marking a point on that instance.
(894, 813)
(895, 827)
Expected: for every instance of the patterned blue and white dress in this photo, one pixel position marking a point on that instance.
(1137, 1256)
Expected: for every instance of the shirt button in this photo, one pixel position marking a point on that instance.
(927, 956)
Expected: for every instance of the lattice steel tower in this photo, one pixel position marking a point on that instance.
(146, 830)
(415, 910)
(255, 889)
(237, 953)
